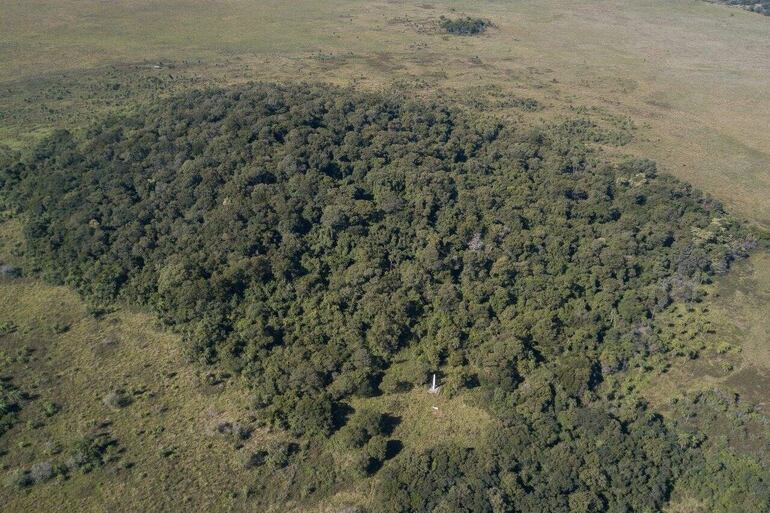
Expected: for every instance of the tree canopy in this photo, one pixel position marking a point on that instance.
(305, 236)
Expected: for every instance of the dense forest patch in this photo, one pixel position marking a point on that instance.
(305, 237)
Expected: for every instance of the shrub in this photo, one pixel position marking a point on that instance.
(18, 479)
(41, 472)
(7, 327)
(9, 271)
(11, 399)
(253, 459)
(91, 452)
(235, 430)
(50, 408)
(466, 26)
(361, 427)
(117, 399)
(280, 453)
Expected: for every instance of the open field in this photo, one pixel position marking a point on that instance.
(692, 75)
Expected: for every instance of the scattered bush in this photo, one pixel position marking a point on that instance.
(91, 452)
(41, 472)
(361, 427)
(758, 6)
(235, 431)
(117, 399)
(18, 479)
(50, 408)
(9, 271)
(11, 399)
(60, 327)
(253, 459)
(7, 327)
(466, 26)
(280, 453)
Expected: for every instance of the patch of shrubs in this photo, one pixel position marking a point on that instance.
(92, 452)
(525, 104)
(11, 399)
(585, 460)
(729, 463)
(7, 327)
(254, 459)
(50, 408)
(86, 455)
(361, 427)
(758, 6)
(279, 453)
(9, 271)
(366, 431)
(466, 26)
(235, 432)
(117, 399)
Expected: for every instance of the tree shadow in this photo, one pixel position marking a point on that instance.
(340, 414)
(389, 424)
(392, 448)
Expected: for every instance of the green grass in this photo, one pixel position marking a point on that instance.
(172, 409)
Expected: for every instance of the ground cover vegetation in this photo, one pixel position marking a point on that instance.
(305, 238)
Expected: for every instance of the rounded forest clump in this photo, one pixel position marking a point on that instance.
(308, 237)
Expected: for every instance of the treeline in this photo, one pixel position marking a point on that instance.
(583, 460)
(303, 236)
(758, 6)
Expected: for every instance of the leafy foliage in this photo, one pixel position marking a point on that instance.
(729, 469)
(10, 405)
(466, 26)
(307, 238)
(91, 452)
(585, 461)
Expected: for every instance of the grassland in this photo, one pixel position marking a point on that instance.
(733, 329)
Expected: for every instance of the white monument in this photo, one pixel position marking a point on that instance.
(433, 388)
